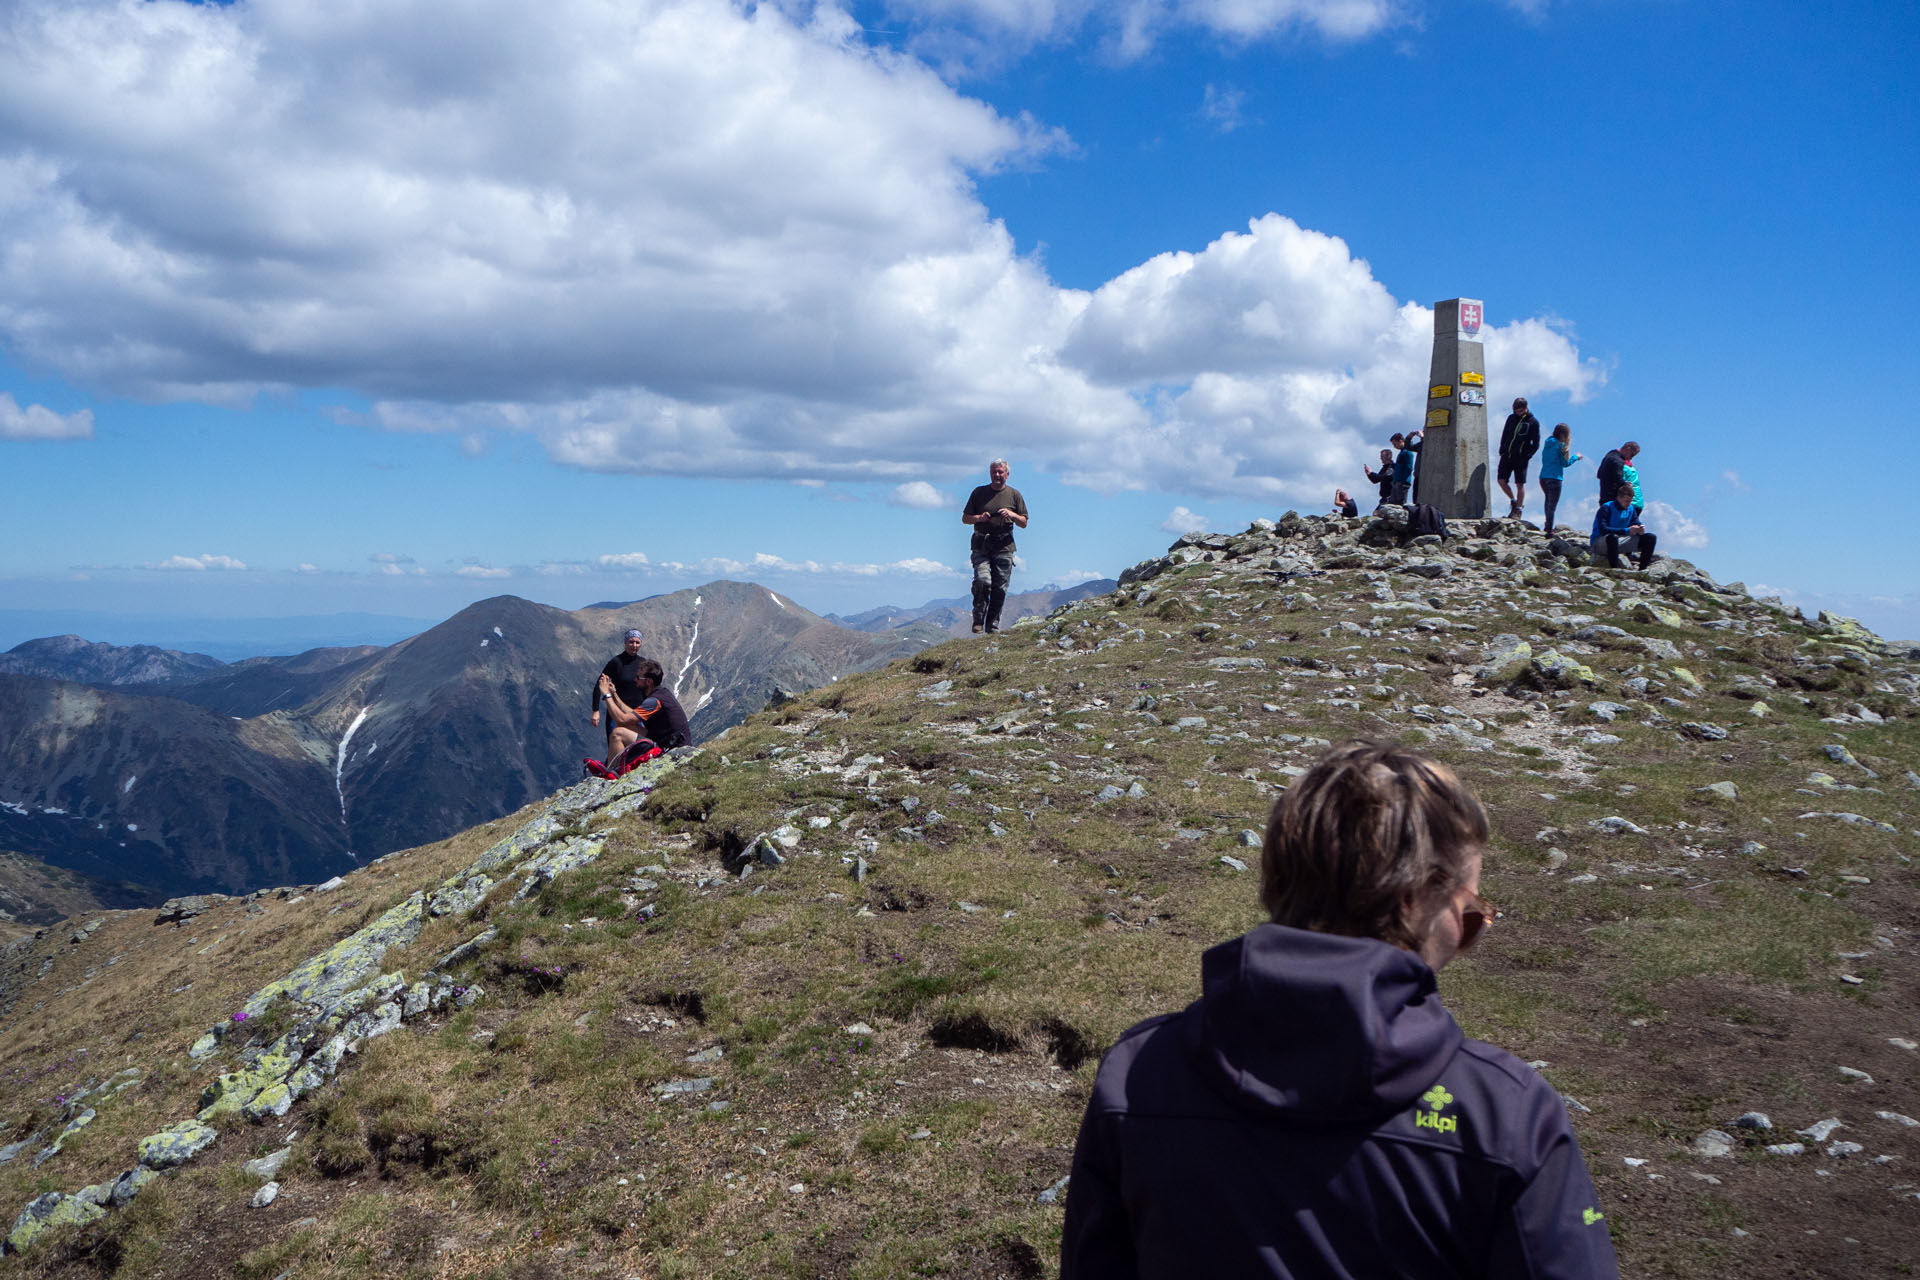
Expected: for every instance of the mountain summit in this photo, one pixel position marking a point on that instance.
(827, 1000)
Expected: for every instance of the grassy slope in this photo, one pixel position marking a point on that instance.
(1668, 981)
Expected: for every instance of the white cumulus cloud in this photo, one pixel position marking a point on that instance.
(482, 571)
(683, 236)
(1180, 520)
(196, 564)
(37, 422)
(394, 565)
(625, 560)
(919, 495)
(1673, 529)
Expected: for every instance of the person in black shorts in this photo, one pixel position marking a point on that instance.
(1519, 441)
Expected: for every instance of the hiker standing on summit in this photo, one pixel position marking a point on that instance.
(993, 509)
(1519, 441)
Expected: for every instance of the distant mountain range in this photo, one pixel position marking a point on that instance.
(954, 617)
(183, 773)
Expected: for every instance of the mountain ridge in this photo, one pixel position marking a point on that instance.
(829, 1000)
(378, 748)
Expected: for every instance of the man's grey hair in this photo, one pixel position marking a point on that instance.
(999, 462)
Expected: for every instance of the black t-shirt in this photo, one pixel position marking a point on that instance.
(996, 538)
(668, 729)
(621, 669)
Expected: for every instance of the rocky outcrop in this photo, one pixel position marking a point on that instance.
(340, 998)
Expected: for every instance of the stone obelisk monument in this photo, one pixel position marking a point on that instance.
(1453, 451)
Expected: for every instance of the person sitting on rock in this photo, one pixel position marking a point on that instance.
(1617, 530)
(669, 727)
(628, 741)
(1344, 505)
(1383, 477)
(1317, 1111)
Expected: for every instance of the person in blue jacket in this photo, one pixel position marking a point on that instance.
(1409, 447)
(1617, 530)
(1317, 1112)
(1555, 457)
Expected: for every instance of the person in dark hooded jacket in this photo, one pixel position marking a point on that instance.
(1317, 1112)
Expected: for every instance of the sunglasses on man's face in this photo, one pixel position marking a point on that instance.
(1475, 920)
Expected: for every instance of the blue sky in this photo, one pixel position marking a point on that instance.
(310, 308)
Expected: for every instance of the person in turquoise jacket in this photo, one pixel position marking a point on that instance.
(1555, 457)
(1630, 474)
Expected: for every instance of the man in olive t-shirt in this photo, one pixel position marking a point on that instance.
(994, 510)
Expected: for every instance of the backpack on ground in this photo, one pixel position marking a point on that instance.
(1424, 518)
(624, 763)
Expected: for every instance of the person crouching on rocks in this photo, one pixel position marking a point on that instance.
(1344, 505)
(1317, 1112)
(1617, 530)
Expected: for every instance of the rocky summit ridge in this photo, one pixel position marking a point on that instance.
(824, 996)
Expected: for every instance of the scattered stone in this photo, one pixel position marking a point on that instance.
(1504, 660)
(267, 1167)
(266, 1195)
(1786, 1149)
(176, 1144)
(1607, 710)
(858, 1029)
(1905, 1122)
(1819, 1130)
(1053, 1193)
(1616, 826)
(674, 1088)
(45, 1212)
(1704, 732)
(1838, 753)
(1724, 790)
(1855, 1074)
(1841, 1150)
(1231, 861)
(330, 885)
(1754, 1120)
(1713, 1144)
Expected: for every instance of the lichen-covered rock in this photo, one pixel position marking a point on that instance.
(205, 1047)
(418, 1000)
(1562, 671)
(1505, 659)
(459, 895)
(127, 1185)
(319, 1067)
(570, 856)
(274, 1100)
(74, 1126)
(348, 964)
(43, 1213)
(233, 1090)
(1657, 614)
(176, 1144)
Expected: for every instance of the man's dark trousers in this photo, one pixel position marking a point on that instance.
(991, 573)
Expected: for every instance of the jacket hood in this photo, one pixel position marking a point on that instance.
(1322, 1029)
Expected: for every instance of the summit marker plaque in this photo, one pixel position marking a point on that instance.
(1453, 453)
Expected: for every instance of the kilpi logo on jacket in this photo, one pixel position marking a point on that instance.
(1437, 1100)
